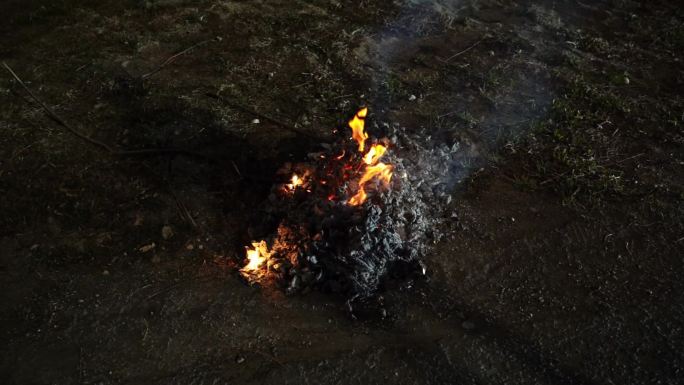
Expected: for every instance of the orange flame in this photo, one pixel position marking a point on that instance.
(257, 256)
(295, 182)
(373, 169)
(357, 124)
(382, 171)
(374, 154)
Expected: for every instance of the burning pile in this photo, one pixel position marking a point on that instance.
(351, 215)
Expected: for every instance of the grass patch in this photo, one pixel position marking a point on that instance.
(575, 152)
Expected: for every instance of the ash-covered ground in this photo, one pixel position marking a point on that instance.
(355, 215)
(560, 257)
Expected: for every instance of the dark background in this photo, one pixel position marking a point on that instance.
(563, 257)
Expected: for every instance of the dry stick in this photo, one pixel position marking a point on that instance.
(454, 56)
(113, 151)
(183, 210)
(54, 116)
(267, 118)
(174, 57)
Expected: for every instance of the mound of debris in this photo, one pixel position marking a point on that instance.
(354, 213)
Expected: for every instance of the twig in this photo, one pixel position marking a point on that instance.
(553, 178)
(454, 56)
(183, 210)
(54, 116)
(267, 118)
(630, 158)
(174, 57)
(104, 146)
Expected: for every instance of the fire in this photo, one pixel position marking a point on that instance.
(357, 124)
(382, 171)
(257, 257)
(374, 154)
(295, 182)
(300, 181)
(373, 169)
(327, 179)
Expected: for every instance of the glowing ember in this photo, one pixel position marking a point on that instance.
(257, 259)
(296, 182)
(357, 124)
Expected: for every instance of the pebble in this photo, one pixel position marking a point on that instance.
(167, 232)
(412, 98)
(146, 248)
(239, 359)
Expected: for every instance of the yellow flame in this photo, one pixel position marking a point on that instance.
(296, 181)
(382, 171)
(357, 124)
(374, 154)
(257, 256)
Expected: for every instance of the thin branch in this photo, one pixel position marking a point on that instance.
(104, 146)
(454, 56)
(56, 117)
(174, 57)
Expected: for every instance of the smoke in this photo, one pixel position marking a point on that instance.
(483, 100)
(475, 106)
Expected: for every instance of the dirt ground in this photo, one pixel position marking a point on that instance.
(563, 261)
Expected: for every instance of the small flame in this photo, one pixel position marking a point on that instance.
(296, 181)
(374, 154)
(357, 124)
(257, 256)
(373, 169)
(381, 170)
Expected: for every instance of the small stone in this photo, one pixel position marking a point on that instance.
(190, 247)
(412, 98)
(256, 121)
(167, 232)
(146, 248)
(239, 359)
(138, 220)
(106, 272)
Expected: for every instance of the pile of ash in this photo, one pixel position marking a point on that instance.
(354, 213)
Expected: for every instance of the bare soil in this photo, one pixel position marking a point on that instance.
(563, 260)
